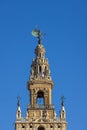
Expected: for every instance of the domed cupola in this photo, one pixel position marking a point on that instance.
(40, 51)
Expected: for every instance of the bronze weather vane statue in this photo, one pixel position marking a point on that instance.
(37, 33)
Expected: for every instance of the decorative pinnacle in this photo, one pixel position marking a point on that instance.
(18, 103)
(37, 33)
(62, 100)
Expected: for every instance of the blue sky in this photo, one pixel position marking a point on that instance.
(65, 26)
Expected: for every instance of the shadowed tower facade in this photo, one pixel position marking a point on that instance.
(40, 114)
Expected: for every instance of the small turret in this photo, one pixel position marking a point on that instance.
(62, 112)
(18, 113)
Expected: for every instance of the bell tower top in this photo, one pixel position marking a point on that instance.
(40, 114)
(40, 67)
(40, 83)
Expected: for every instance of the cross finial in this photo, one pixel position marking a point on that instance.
(18, 103)
(62, 100)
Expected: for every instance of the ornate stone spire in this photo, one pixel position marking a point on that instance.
(40, 67)
(62, 112)
(18, 113)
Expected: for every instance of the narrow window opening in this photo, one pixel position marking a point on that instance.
(41, 128)
(45, 70)
(51, 126)
(40, 54)
(58, 126)
(31, 126)
(40, 69)
(23, 126)
(63, 114)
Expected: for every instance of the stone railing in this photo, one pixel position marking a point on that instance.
(41, 106)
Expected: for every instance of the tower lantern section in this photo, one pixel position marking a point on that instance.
(40, 83)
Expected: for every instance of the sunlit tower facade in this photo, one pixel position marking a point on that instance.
(40, 113)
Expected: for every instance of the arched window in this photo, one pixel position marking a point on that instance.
(40, 70)
(63, 114)
(45, 70)
(40, 54)
(41, 128)
(23, 126)
(40, 97)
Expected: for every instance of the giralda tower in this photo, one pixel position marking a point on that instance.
(40, 114)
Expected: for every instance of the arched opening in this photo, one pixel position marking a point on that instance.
(23, 126)
(41, 128)
(40, 69)
(40, 54)
(45, 70)
(40, 97)
(63, 114)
